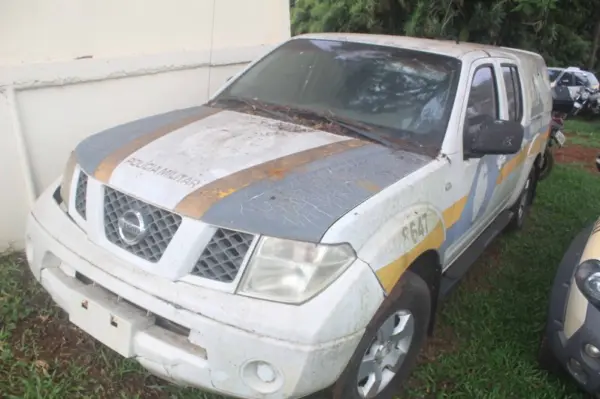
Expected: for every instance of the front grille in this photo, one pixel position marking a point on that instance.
(81, 194)
(161, 225)
(223, 256)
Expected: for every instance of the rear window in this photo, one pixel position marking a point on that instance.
(513, 92)
(553, 74)
(591, 78)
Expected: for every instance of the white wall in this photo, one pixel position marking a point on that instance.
(144, 57)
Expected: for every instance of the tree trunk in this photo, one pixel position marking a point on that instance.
(596, 43)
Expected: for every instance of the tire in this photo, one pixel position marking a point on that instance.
(521, 208)
(547, 164)
(411, 297)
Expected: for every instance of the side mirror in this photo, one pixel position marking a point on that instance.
(598, 162)
(565, 82)
(497, 137)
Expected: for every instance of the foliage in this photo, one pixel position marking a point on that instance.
(561, 30)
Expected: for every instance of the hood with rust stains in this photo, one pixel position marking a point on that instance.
(244, 172)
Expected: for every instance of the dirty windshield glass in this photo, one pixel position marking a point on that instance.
(400, 94)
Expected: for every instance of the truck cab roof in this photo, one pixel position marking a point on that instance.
(449, 48)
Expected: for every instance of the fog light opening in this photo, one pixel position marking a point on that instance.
(262, 376)
(576, 370)
(592, 351)
(265, 373)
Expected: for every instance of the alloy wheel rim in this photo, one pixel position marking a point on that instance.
(386, 354)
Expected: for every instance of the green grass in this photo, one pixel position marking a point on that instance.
(584, 133)
(486, 340)
(497, 314)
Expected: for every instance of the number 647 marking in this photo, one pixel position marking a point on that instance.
(416, 229)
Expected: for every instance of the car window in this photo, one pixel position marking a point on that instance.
(539, 93)
(566, 80)
(482, 106)
(553, 74)
(580, 79)
(400, 93)
(514, 95)
(591, 79)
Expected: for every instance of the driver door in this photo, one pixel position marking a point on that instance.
(476, 177)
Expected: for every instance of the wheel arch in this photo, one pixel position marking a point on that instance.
(428, 266)
(537, 166)
(537, 162)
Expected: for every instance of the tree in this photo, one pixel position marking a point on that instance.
(565, 32)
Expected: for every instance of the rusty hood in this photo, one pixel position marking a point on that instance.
(243, 172)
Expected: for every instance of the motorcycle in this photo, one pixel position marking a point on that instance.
(582, 100)
(556, 138)
(585, 98)
(588, 100)
(594, 102)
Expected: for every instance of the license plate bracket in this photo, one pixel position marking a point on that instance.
(114, 323)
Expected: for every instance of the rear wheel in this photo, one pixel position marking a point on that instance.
(389, 348)
(547, 164)
(521, 208)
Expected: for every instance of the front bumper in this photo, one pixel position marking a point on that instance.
(566, 347)
(184, 346)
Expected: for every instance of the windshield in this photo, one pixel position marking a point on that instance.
(553, 74)
(401, 93)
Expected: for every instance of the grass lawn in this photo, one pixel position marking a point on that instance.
(486, 340)
(584, 132)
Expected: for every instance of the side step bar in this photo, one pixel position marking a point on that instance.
(462, 264)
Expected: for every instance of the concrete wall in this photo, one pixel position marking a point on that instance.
(70, 68)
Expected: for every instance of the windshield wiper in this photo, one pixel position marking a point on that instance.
(361, 131)
(256, 105)
(364, 130)
(356, 128)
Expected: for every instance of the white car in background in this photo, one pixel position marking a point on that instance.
(566, 84)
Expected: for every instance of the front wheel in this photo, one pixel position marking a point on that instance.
(389, 348)
(547, 164)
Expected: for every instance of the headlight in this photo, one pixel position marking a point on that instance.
(587, 277)
(292, 271)
(67, 178)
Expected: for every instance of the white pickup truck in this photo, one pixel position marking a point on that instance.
(294, 234)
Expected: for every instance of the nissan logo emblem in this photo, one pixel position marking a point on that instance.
(132, 226)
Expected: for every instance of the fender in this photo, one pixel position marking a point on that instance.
(577, 304)
(401, 240)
